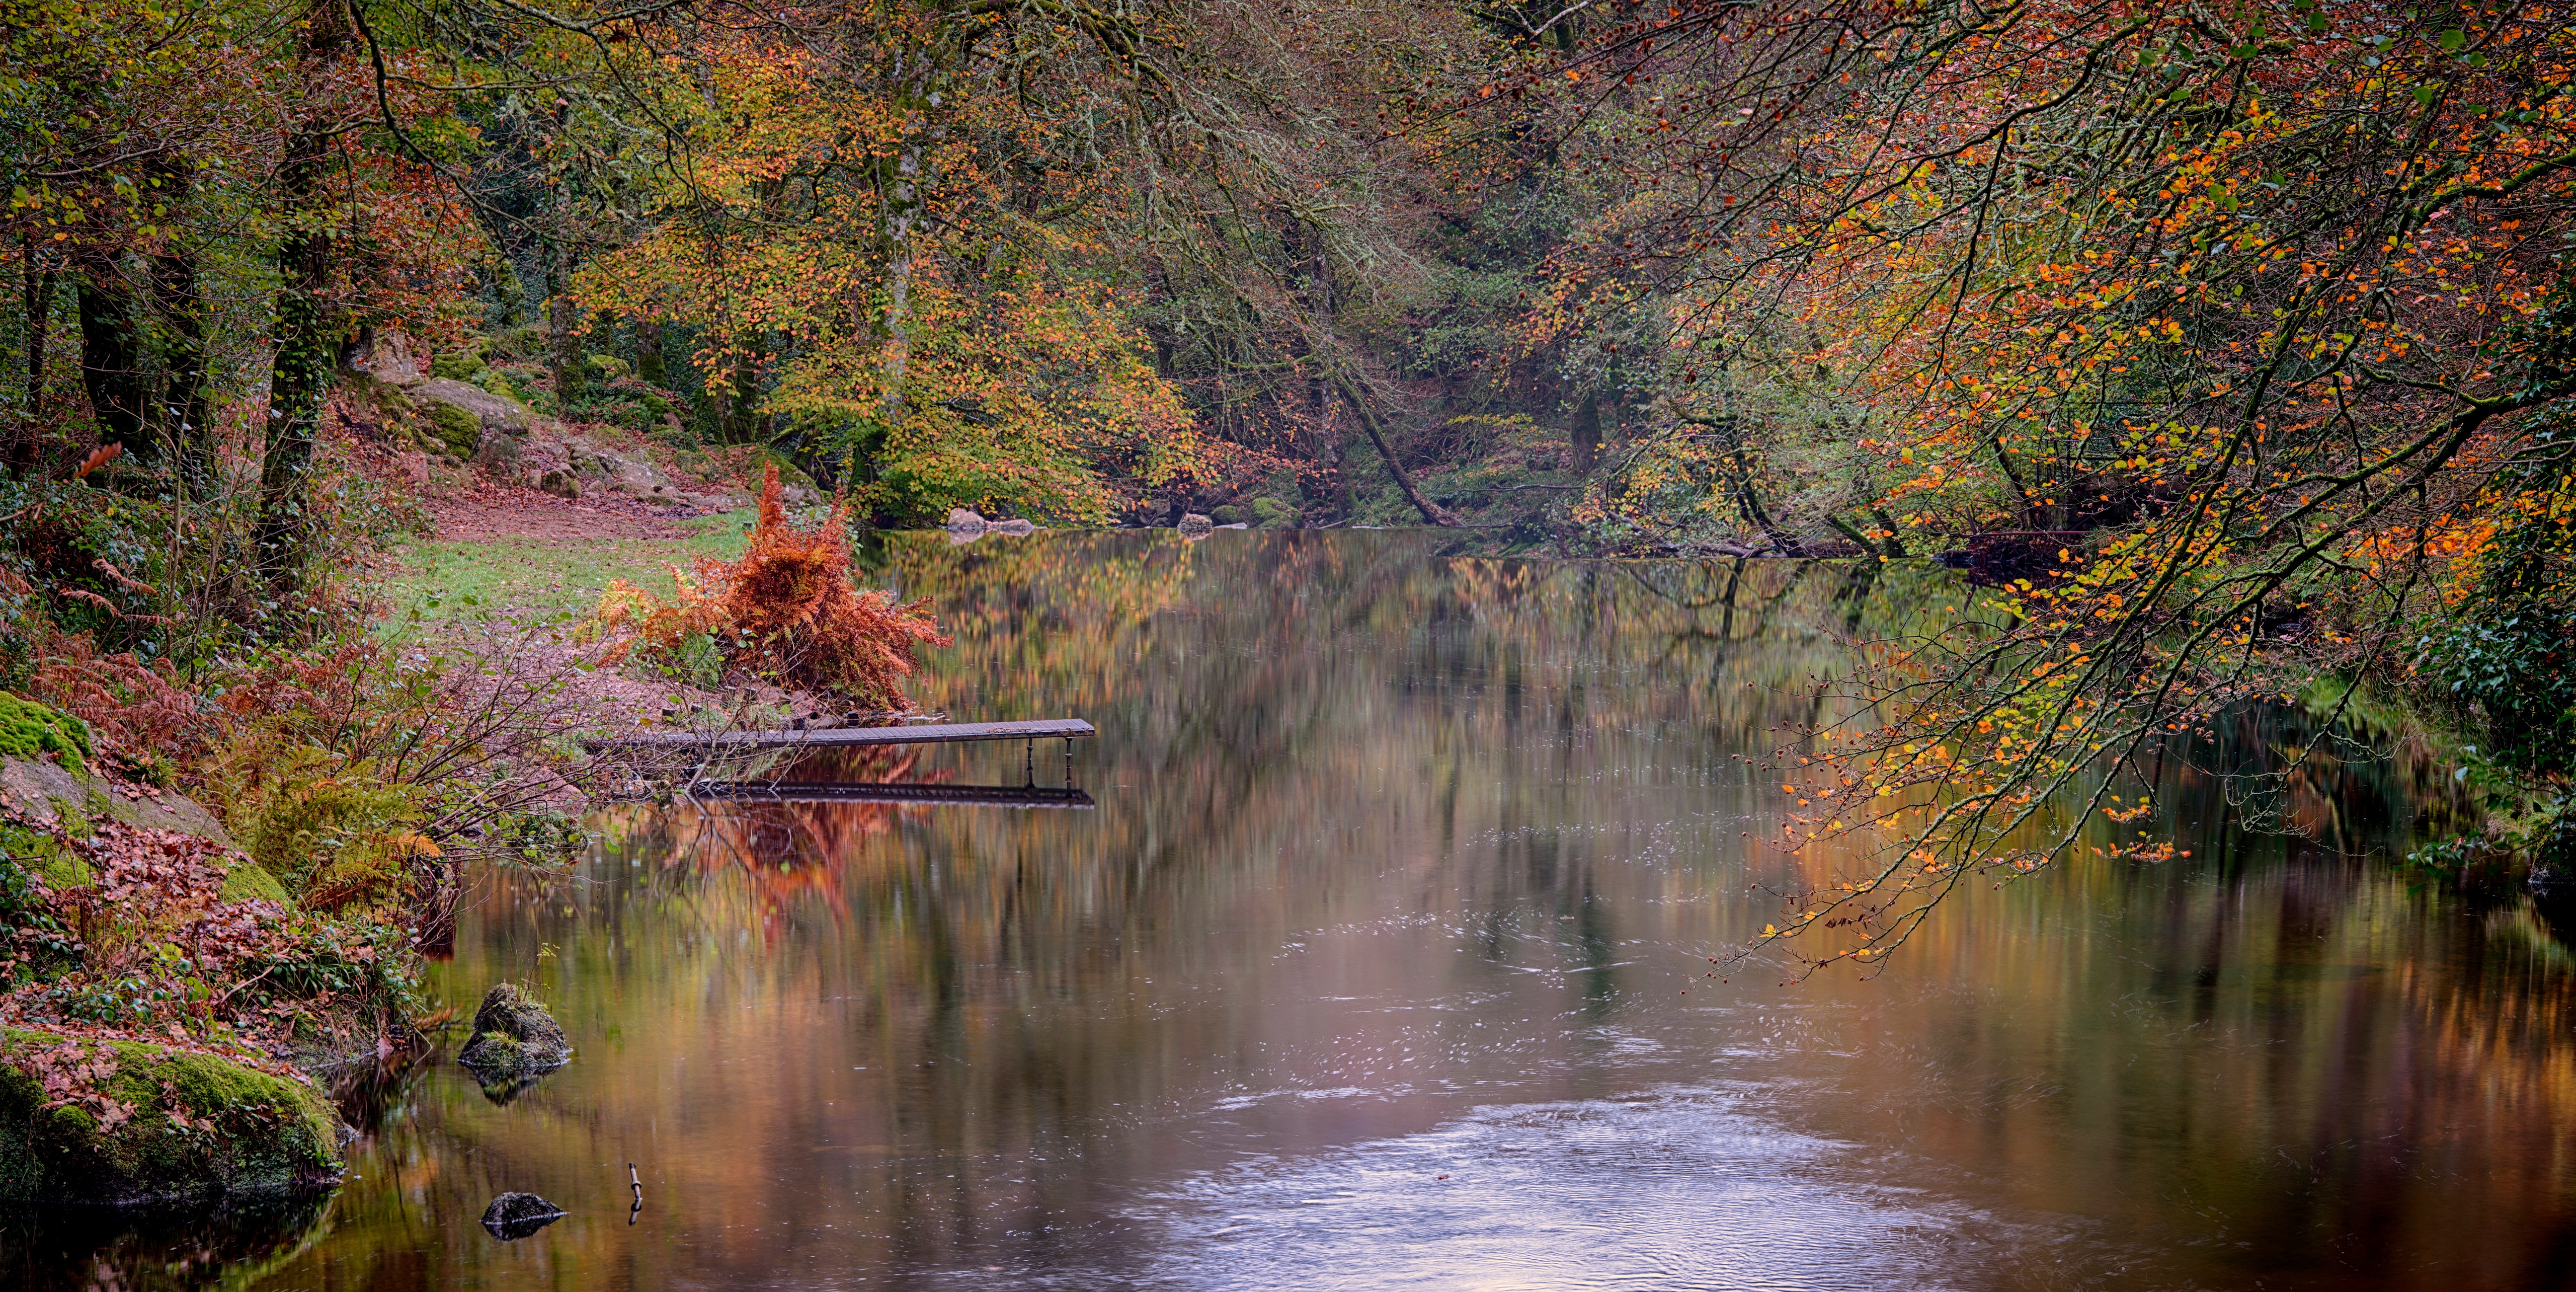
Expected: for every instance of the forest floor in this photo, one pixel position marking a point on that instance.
(532, 557)
(511, 571)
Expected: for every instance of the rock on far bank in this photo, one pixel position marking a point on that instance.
(127, 1122)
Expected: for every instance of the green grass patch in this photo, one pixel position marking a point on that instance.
(536, 578)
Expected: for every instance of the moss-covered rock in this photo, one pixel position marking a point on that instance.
(514, 1036)
(496, 411)
(31, 730)
(459, 366)
(1270, 513)
(71, 802)
(251, 882)
(457, 430)
(184, 1126)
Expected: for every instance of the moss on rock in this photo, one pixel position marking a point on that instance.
(251, 882)
(458, 429)
(194, 1126)
(67, 801)
(514, 1035)
(461, 365)
(31, 730)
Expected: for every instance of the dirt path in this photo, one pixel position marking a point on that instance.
(498, 511)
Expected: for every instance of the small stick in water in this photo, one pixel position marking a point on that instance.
(637, 1183)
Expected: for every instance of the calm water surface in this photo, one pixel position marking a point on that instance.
(1381, 964)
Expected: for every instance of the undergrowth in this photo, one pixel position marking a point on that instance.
(787, 612)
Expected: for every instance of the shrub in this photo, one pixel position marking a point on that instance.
(2508, 647)
(787, 610)
(365, 771)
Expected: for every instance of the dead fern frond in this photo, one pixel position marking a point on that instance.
(788, 610)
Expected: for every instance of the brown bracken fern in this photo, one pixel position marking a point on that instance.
(787, 611)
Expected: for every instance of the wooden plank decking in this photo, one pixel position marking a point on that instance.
(928, 734)
(1027, 796)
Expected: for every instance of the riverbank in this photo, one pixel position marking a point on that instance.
(165, 965)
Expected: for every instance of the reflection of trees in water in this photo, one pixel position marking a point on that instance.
(1009, 981)
(2286, 771)
(156, 1249)
(955, 1025)
(2285, 1039)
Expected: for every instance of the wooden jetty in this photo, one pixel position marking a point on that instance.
(704, 744)
(1025, 796)
(938, 733)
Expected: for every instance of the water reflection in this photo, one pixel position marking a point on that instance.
(156, 1249)
(1406, 866)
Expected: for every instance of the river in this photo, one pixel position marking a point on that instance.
(1382, 962)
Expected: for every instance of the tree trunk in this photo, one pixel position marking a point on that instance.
(1587, 432)
(307, 330)
(563, 341)
(1432, 512)
(650, 363)
(741, 394)
(180, 414)
(40, 310)
(112, 360)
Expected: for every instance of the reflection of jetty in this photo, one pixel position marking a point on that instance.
(1027, 796)
(942, 733)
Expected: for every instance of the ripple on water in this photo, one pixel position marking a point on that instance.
(1679, 1188)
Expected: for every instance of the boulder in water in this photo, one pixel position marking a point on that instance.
(514, 1037)
(1194, 525)
(963, 521)
(1015, 527)
(514, 1216)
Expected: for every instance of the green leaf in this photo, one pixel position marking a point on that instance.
(2454, 39)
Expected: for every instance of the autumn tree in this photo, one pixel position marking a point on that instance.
(2222, 348)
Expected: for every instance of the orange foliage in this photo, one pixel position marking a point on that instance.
(787, 610)
(132, 708)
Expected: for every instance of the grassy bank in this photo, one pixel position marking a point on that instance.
(434, 579)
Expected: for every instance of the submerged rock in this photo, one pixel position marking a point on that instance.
(514, 1038)
(514, 1216)
(1016, 528)
(127, 1122)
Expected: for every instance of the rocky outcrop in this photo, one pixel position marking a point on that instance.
(126, 1122)
(74, 801)
(573, 466)
(54, 801)
(464, 410)
(469, 420)
(514, 1037)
